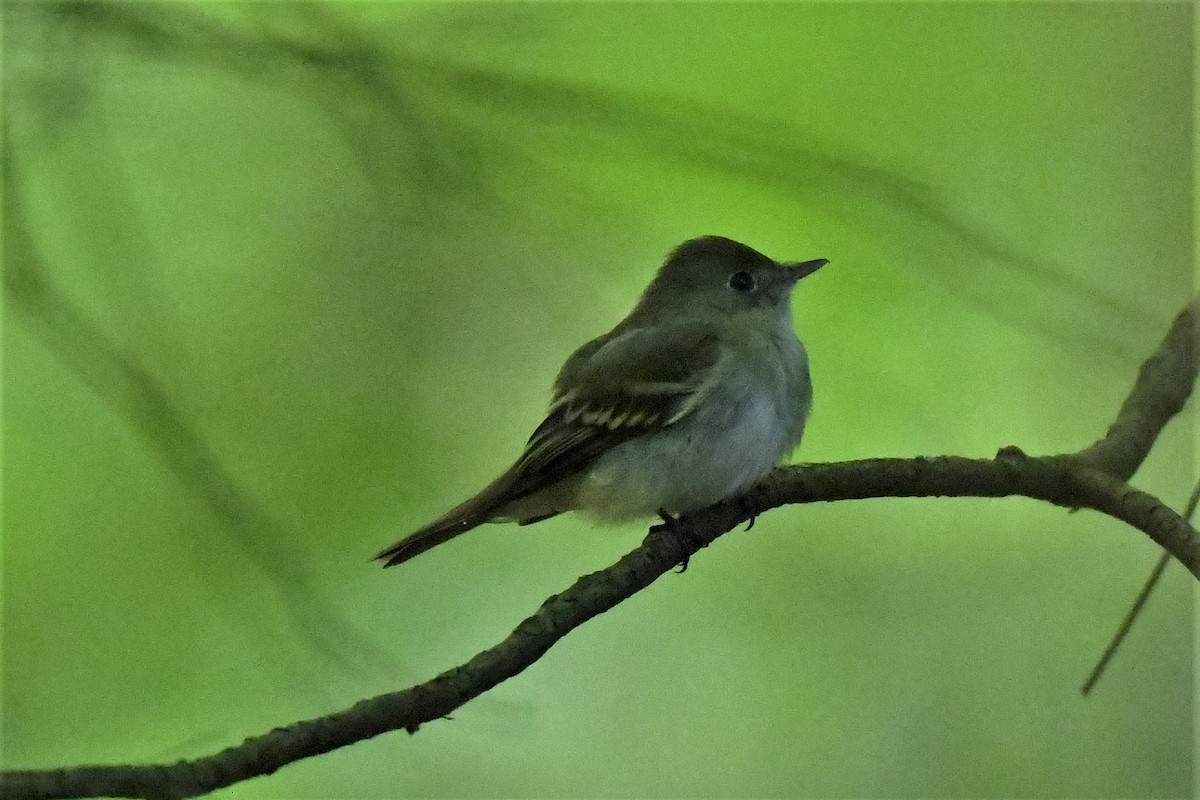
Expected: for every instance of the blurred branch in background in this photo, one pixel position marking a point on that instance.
(804, 169)
(409, 153)
(1066, 480)
(135, 395)
(429, 130)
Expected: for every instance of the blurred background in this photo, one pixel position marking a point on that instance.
(283, 282)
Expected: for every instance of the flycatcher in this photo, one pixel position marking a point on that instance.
(689, 400)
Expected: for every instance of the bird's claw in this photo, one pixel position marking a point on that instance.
(670, 524)
(751, 506)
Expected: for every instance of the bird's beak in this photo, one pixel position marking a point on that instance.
(799, 269)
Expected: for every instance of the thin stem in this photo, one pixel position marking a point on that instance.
(1136, 608)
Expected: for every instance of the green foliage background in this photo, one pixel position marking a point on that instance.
(284, 281)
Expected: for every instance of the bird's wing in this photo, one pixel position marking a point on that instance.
(630, 384)
(620, 386)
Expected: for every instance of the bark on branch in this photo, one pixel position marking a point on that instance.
(1092, 478)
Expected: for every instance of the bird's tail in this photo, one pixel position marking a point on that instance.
(460, 519)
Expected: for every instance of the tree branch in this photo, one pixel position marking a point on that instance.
(1163, 385)
(1092, 478)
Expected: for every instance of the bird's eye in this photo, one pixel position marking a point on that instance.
(741, 282)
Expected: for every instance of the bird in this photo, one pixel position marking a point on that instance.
(689, 400)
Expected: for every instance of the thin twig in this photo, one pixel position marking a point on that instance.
(1134, 610)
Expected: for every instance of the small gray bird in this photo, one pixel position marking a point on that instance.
(689, 400)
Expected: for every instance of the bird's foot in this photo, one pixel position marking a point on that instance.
(670, 524)
(750, 504)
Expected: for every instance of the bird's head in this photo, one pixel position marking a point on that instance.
(723, 274)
